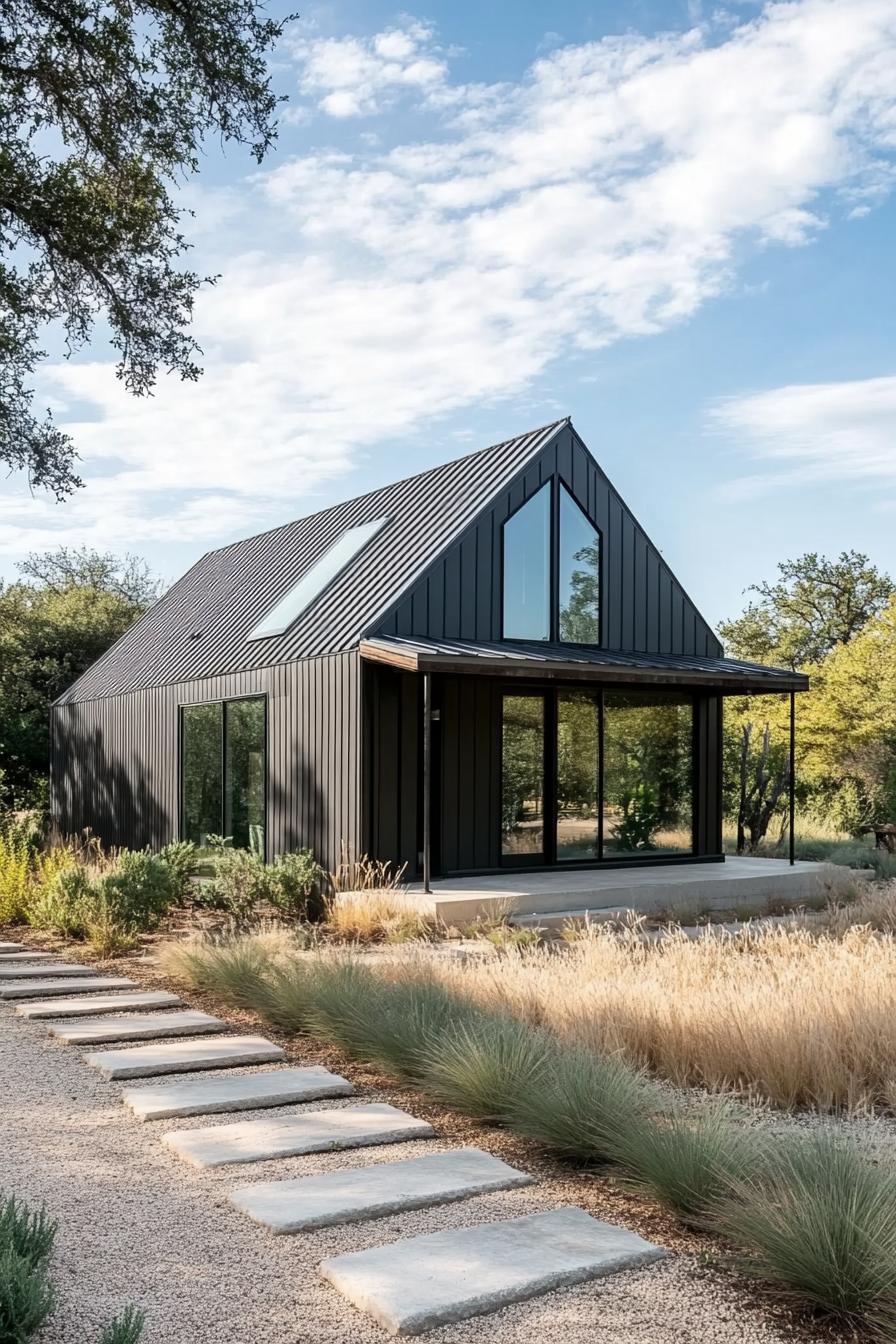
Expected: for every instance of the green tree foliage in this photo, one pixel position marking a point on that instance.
(104, 105)
(815, 605)
(66, 610)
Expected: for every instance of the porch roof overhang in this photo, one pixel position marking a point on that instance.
(572, 662)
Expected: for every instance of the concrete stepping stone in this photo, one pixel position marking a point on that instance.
(59, 968)
(13, 958)
(291, 1135)
(414, 1285)
(138, 1027)
(355, 1196)
(245, 1092)
(36, 989)
(91, 1004)
(225, 1052)
(6, 948)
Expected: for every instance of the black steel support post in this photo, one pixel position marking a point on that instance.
(792, 780)
(427, 780)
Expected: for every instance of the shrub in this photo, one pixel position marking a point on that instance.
(239, 884)
(485, 1065)
(26, 1298)
(182, 858)
(687, 1160)
(583, 1104)
(28, 1232)
(125, 1329)
(139, 891)
(295, 884)
(818, 1221)
(62, 903)
(107, 932)
(15, 873)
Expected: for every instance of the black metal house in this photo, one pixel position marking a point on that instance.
(487, 665)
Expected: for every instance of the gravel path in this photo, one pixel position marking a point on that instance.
(138, 1226)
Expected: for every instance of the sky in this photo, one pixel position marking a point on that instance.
(672, 221)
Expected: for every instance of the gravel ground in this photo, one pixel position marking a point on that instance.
(137, 1225)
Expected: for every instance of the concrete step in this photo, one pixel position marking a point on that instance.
(244, 1092)
(138, 1027)
(58, 969)
(415, 1285)
(91, 1004)
(6, 948)
(291, 1135)
(355, 1196)
(36, 989)
(223, 1052)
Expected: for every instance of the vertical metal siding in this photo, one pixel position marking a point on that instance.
(115, 761)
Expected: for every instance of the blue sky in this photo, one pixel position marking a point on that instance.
(672, 221)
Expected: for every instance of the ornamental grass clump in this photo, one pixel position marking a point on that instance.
(818, 1219)
(485, 1065)
(26, 1296)
(127, 1328)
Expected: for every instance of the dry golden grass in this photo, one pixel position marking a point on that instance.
(379, 914)
(800, 1017)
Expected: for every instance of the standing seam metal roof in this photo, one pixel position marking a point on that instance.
(200, 627)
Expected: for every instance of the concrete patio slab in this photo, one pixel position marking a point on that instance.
(142, 1061)
(415, 1285)
(91, 1004)
(139, 1027)
(372, 1192)
(291, 1135)
(13, 958)
(250, 1091)
(36, 989)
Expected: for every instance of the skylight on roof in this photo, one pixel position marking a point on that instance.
(322, 573)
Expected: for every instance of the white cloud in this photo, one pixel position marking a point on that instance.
(811, 432)
(609, 194)
(352, 77)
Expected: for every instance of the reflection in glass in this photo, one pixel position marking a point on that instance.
(648, 774)
(201, 766)
(527, 569)
(522, 775)
(577, 770)
(579, 578)
(244, 775)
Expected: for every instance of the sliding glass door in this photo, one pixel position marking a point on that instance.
(223, 772)
(589, 776)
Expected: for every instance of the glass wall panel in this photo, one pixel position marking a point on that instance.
(579, 577)
(577, 773)
(201, 767)
(648, 774)
(522, 775)
(527, 569)
(244, 774)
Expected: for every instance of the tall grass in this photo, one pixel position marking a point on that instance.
(813, 1216)
(788, 1014)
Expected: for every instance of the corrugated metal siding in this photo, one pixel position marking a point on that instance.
(115, 762)
(199, 628)
(645, 609)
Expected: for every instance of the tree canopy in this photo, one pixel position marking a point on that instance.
(66, 610)
(104, 106)
(815, 605)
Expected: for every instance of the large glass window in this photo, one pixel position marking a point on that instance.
(315, 580)
(527, 569)
(577, 774)
(244, 774)
(201, 771)
(579, 576)
(522, 776)
(223, 772)
(647, 774)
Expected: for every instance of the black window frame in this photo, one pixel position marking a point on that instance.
(555, 484)
(549, 692)
(223, 701)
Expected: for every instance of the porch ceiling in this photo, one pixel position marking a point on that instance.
(570, 662)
